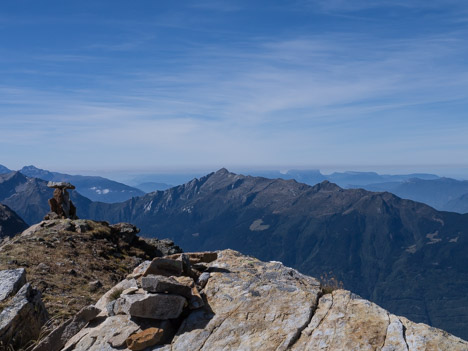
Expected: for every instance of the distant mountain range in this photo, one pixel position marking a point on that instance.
(404, 255)
(443, 193)
(28, 196)
(149, 187)
(94, 188)
(344, 179)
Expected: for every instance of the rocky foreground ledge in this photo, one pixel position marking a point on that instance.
(228, 301)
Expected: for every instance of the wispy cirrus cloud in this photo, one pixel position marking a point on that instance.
(298, 98)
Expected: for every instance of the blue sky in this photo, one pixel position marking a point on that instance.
(151, 85)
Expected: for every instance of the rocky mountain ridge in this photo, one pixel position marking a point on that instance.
(384, 248)
(28, 197)
(72, 262)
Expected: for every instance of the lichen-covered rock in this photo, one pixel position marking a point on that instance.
(251, 305)
(344, 321)
(11, 280)
(153, 306)
(159, 284)
(146, 338)
(164, 266)
(254, 305)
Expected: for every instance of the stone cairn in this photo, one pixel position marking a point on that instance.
(61, 206)
(144, 310)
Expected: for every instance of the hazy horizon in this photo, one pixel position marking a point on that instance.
(126, 174)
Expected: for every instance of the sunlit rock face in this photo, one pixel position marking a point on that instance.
(254, 305)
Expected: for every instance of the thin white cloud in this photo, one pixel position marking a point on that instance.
(294, 100)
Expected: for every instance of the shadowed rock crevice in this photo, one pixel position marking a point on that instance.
(298, 334)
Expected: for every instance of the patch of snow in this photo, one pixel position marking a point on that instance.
(147, 207)
(432, 238)
(258, 226)
(187, 209)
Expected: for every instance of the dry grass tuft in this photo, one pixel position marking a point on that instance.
(330, 283)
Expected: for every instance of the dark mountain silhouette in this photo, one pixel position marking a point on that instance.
(94, 188)
(10, 222)
(404, 255)
(401, 254)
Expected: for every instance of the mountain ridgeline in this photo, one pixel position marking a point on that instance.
(28, 196)
(403, 255)
(406, 256)
(94, 188)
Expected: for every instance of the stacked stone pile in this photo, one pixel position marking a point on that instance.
(144, 310)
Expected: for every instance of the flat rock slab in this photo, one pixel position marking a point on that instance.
(11, 280)
(197, 257)
(253, 305)
(161, 284)
(153, 306)
(345, 321)
(22, 319)
(164, 266)
(60, 185)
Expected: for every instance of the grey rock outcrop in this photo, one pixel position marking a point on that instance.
(59, 336)
(11, 280)
(152, 306)
(22, 318)
(254, 305)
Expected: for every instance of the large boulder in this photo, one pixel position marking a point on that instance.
(59, 336)
(153, 306)
(22, 318)
(11, 280)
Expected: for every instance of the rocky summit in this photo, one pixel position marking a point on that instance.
(85, 285)
(73, 262)
(244, 304)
